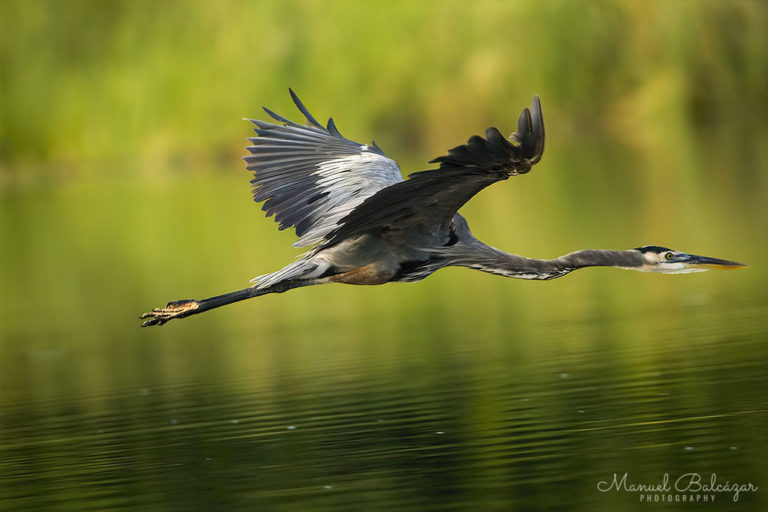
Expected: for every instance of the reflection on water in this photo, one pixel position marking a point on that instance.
(463, 392)
(458, 421)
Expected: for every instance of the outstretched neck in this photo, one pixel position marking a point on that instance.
(490, 259)
(551, 269)
(601, 258)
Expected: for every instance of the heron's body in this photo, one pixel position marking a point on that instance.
(369, 226)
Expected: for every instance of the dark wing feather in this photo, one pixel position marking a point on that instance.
(428, 200)
(310, 177)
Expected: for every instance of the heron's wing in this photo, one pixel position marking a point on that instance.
(310, 177)
(428, 200)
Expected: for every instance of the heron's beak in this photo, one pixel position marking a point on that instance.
(704, 263)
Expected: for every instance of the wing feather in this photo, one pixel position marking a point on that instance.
(428, 200)
(310, 177)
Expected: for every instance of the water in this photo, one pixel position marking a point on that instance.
(474, 408)
(121, 188)
(466, 391)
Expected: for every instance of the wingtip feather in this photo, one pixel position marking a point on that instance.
(332, 128)
(311, 120)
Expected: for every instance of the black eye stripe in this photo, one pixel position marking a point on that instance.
(653, 248)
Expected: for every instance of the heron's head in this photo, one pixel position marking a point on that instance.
(668, 261)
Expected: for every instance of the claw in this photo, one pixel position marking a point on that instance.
(174, 309)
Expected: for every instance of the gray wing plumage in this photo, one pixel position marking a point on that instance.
(310, 177)
(428, 200)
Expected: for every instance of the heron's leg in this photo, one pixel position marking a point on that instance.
(174, 309)
(188, 307)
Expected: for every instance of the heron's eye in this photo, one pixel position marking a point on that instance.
(668, 256)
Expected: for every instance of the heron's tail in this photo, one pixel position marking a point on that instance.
(301, 269)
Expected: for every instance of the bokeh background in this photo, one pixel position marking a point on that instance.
(121, 187)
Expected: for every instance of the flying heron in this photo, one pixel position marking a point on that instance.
(369, 226)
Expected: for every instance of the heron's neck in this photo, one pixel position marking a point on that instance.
(602, 258)
(490, 259)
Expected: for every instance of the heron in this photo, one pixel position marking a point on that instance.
(366, 225)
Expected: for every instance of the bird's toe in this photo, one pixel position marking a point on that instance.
(174, 309)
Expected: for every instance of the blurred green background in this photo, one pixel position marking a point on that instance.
(121, 187)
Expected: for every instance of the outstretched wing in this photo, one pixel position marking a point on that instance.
(428, 200)
(310, 177)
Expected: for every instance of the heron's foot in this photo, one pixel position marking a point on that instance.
(174, 309)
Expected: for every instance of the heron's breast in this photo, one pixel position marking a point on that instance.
(367, 260)
(367, 274)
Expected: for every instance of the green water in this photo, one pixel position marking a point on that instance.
(464, 392)
(121, 189)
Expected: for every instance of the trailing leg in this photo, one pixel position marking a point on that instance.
(188, 307)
